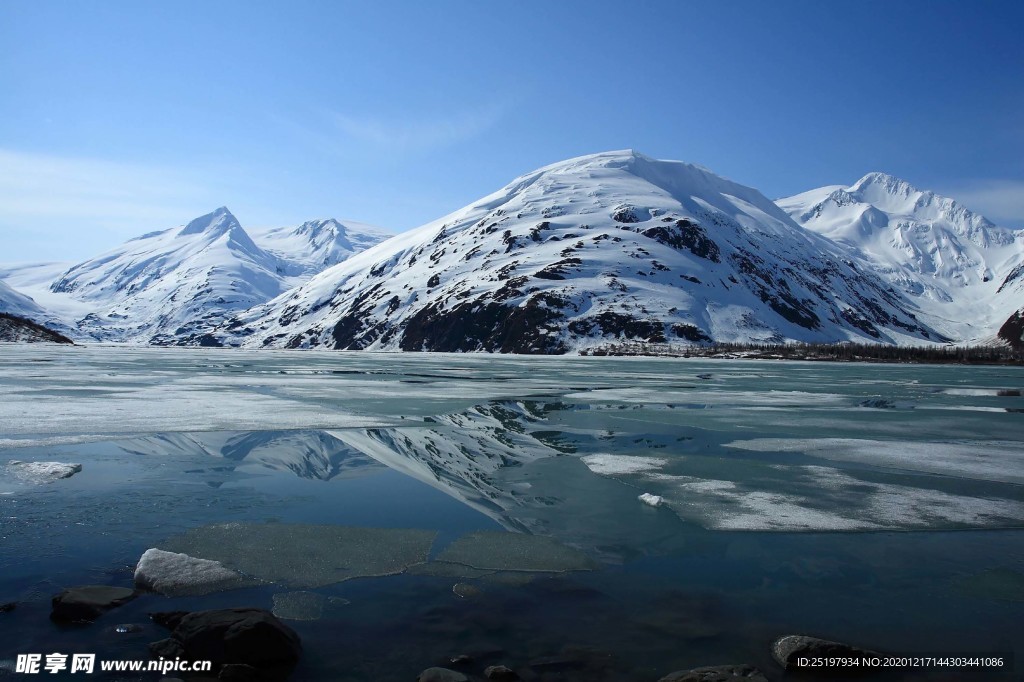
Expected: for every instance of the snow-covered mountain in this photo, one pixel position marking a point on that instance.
(316, 245)
(602, 247)
(23, 320)
(19, 304)
(965, 274)
(172, 285)
(16, 329)
(169, 285)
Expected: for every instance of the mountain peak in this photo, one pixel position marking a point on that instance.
(218, 221)
(889, 184)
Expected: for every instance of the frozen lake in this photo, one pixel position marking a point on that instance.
(876, 504)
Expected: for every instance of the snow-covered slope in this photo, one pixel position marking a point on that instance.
(965, 274)
(316, 245)
(18, 304)
(172, 285)
(169, 285)
(17, 329)
(586, 251)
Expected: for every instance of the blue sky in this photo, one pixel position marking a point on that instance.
(118, 118)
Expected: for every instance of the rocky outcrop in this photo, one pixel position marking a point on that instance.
(717, 673)
(23, 330)
(242, 643)
(86, 603)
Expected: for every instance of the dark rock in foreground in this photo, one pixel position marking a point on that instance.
(244, 643)
(24, 330)
(717, 673)
(500, 672)
(86, 603)
(441, 675)
(786, 650)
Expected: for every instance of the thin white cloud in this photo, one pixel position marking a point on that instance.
(421, 133)
(39, 189)
(1001, 201)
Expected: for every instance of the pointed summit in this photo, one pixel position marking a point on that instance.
(219, 221)
(885, 182)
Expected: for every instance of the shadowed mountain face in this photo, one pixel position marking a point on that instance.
(604, 247)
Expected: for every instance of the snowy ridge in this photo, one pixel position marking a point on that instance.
(170, 286)
(19, 305)
(15, 303)
(165, 286)
(590, 250)
(962, 271)
(316, 245)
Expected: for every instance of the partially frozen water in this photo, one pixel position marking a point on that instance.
(421, 506)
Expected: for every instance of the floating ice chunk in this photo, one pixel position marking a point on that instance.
(42, 472)
(610, 465)
(308, 556)
(174, 575)
(653, 500)
(515, 552)
(299, 605)
(986, 460)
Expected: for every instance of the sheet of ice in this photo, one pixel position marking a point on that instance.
(490, 550)
(826, 499)
(649, 499)
(306, 556)
(733, 399)
(1001, 461)
(42, 472)
(175, 575)
(299, 605)
(622, 464)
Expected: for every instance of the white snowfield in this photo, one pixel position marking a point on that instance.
(965, 274)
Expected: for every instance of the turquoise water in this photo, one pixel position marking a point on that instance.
(880, 505)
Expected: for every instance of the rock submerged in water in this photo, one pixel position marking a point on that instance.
(175, 575)
(242, 643)
(42, 472)
(501, 672)
(86, 603)
(441, 675)
(717, 673)
(299, 605)
(786, 650)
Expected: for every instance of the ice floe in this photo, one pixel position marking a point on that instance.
(42, 472)
(299, 605)
(308, 556)
(610, 465)
(514, 552)
(815, 498)
(174, 574)
(1001, 461)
